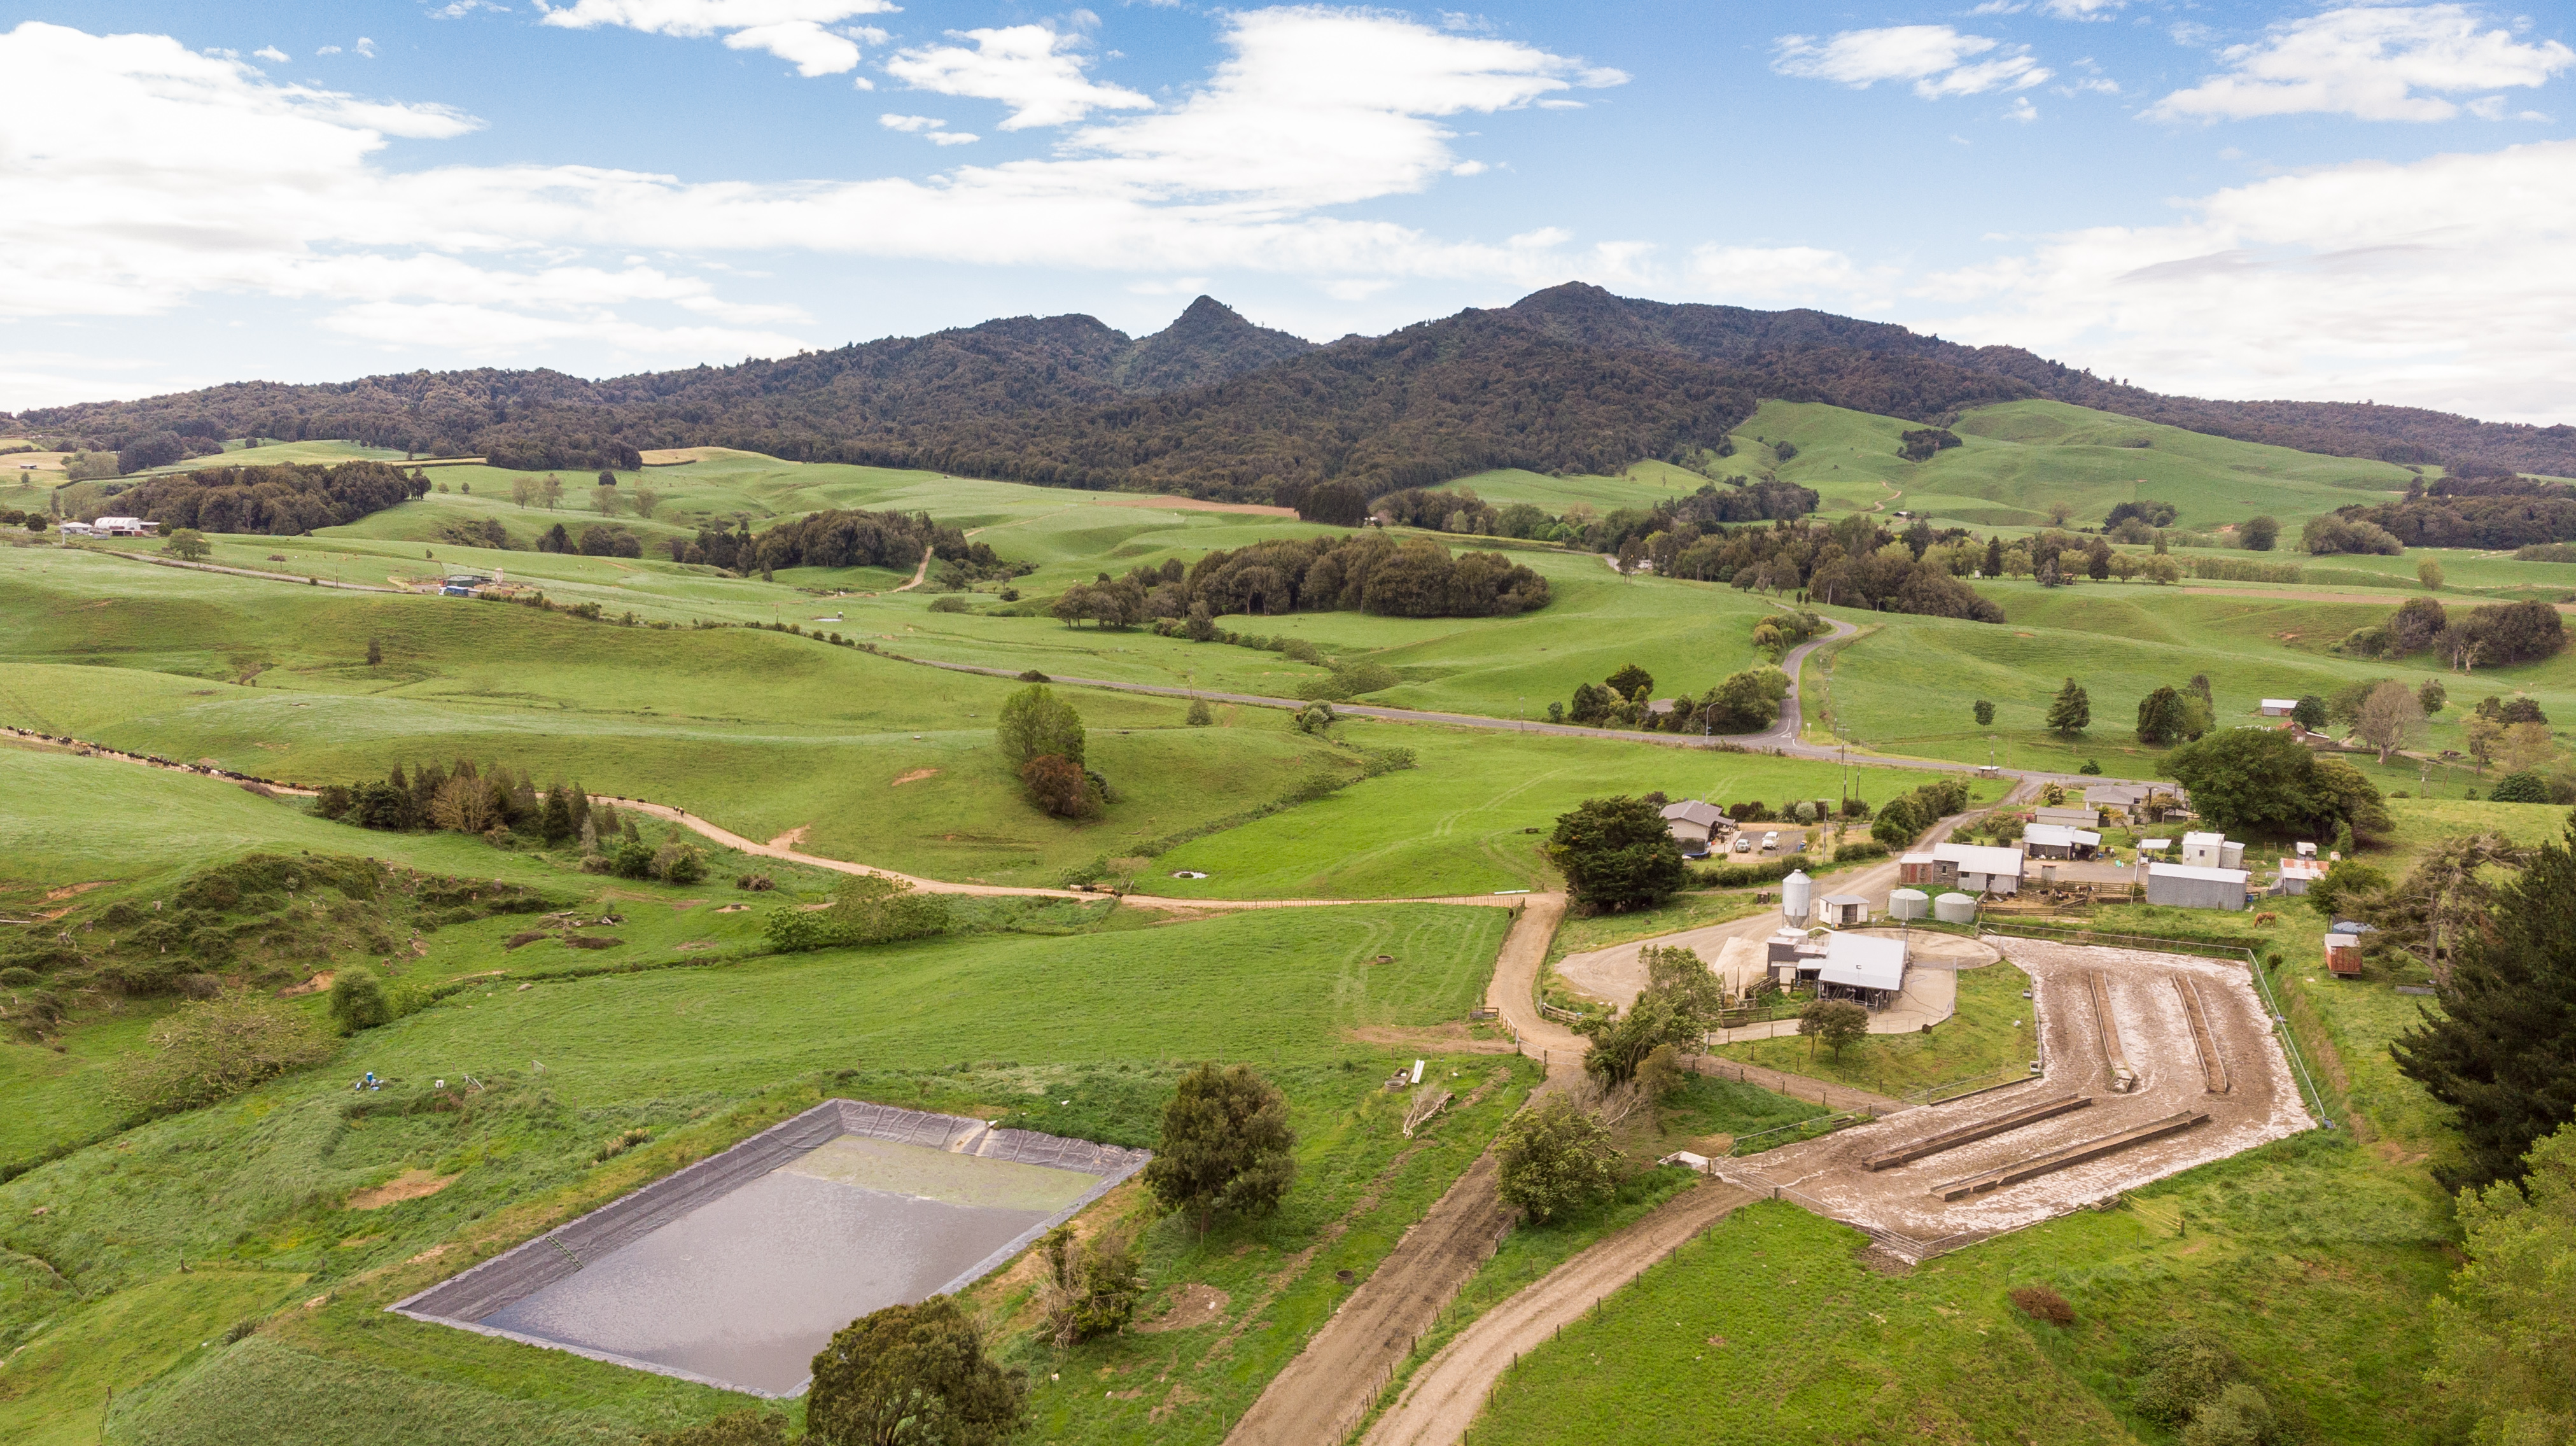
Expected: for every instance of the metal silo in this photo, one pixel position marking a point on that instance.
(1793, 896)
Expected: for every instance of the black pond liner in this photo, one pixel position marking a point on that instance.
(467, 1300)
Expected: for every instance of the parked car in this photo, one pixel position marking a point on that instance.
(1744, 843)
(1771, 842)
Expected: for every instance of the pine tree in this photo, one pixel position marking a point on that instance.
(2502, 1051)
(556, 822)
(1994, 556)
(2071, 712)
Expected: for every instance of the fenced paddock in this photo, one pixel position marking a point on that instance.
(734, 1271)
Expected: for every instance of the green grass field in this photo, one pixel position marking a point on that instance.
(1994, 1032)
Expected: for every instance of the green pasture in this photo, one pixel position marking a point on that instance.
(2017, 458)
(690, 1055)
(1909, 686)
(1471, 817)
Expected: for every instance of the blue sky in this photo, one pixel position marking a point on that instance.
(2321, 201)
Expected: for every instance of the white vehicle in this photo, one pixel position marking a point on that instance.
(1744, 843)
(1771, 842)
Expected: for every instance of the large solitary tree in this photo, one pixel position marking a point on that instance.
(2071, 711)
(1225, 1145)
(1553, 1159)
(1617, 854)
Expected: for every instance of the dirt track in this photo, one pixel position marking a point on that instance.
(1328, 1387)
(1442, 1399)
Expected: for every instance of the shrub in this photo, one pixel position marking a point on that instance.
(214, 1050)
(912, 1373)
(1553, 1160)
(358, 1001)
(1200, 715)
(2040, 1303)
(1056, 784)
(2183, 1371)
(870, 910)
(1225, 1145)
(2524, 787)
(1091, 1288)
(1851, 852)
(633, 859)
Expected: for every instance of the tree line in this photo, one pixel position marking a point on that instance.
(281, 500)
(1356, 572)
(2497, 635)
(505, 807)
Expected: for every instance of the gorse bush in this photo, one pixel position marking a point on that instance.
(871, 910)
(213, 1050)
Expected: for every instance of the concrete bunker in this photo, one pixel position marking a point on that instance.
(734, 1271)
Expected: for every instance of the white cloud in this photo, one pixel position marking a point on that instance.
(2373, 63)
(792, 30)
(2083, 9)
(171, 177)
(1469, 168)
(459, 9)
(1940, 59)
(272, 54)
(2022, 110)
(1034, 70)
(365, 47)
(929, 128)
(328, 50)
(2421, 283)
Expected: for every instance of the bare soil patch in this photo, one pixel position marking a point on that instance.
(1195, 1305)
(1450, 1038)
(792, 837)
(314, 985)
(914, 776)
(409, 1185)
(1193, 504)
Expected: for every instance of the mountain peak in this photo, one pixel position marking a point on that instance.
(1208, 342)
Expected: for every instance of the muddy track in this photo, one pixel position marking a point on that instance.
(1442, 1399)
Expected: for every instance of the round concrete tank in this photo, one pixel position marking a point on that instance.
(1908, 904)
(1793, 896)
(1955, 909)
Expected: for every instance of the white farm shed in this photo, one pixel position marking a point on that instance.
(1978, 868)
(1865, 967)
(2189, 886)
(2279, 707)
(2066, 816)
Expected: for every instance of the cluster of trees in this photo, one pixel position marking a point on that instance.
(281, 500)
(162, 449)
(1920, 443)
(596, 540)
(1364, 572)
(1746, 702)
(2150, 513)
(870, 909)
(2499, 634)
(1775, 635)
(496, 803)
(1853, 563)
(1041, 738)
(2263, 783)
(2346, 532)
(1902, 819)
(839, 538)
(2543, 514)
(2172, 715)
(568, 451)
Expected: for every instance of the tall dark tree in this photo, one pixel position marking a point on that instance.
(1617, 854)
(1631, 680)
(912, 1374)
(2502, 1052)
(2310, 712)
(2259, 534)
(1225, 1145)
(556, 822)
(2071, 711)
(1036, 723)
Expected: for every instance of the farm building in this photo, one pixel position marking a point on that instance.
(2297, 874)
(2067, 816)
(2056, 841)
(1977, 868)
(2279, 707)
(79, 529)
(2343, 953)
(1791, 956)
(1842, 910)
(2132, 802)
(1694, 821)
(2300, 732)
(124, 527)
(1863, 967)
(2190, 886)
(2212, 851)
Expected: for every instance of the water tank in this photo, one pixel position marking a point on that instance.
(1793, 896)
(2231, 855)
(1908, 904)
(1955, 909)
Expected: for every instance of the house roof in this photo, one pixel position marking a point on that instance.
(2280, 702)
(2195, 871)
(2058, 835)
(2303, 868)
(1660, 706)
(1694, 811)
(1979, 858)
(119, 522)
(2116, 793)
(1844, 899)
(2150, 845)
(2203, 840)
(1864, 961)
(2344, 941)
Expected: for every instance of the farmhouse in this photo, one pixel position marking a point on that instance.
(1974, 867)
(2056, 841)
(2279, 707)
(2065, 816)
(1696, 822)
(2190, 886)
(1862, 967)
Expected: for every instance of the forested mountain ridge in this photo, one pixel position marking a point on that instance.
(1567, 379)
